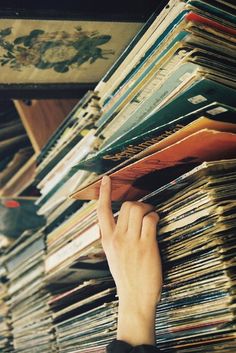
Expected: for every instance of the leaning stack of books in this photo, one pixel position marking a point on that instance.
(70, 143)
(74, 252)
(176, 86)
(73, 248)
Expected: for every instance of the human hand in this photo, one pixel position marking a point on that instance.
(134, 260)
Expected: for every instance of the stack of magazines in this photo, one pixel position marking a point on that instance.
(74, 250)
(68, 146)
(196, 236)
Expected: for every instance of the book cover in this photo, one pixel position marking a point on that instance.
(214, 116)
(204, 145)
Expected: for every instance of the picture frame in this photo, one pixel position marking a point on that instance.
(47, 53)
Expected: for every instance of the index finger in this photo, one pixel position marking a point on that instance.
(104, 211)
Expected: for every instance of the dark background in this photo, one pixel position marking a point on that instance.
(141, 9)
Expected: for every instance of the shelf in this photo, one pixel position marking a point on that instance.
(41, 118)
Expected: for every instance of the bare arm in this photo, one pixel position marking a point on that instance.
(134, 260)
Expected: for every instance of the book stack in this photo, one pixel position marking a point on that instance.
(74, 251)
(157, 123)
(31, 321)
(85, 316)
(5, 328)
(196, 235)
(75, 272)
(197, 240)
(170, 92)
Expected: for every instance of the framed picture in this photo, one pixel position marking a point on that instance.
(46, 53)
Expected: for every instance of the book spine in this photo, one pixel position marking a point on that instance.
(88, 237)
(142, 46)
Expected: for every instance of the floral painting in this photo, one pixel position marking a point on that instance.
(60, 51)
(56, 50)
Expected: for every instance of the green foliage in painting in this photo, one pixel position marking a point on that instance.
(59, 50)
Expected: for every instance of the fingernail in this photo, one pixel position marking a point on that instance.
(105, 180)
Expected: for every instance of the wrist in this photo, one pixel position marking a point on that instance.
(137, 308)
(136, 323)
(139, 305)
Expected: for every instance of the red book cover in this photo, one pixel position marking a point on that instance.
(211, 23)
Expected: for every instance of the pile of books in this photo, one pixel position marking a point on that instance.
(74, 250)
(197, 240)
(85, 316)
(28, 297)
(76, 272)
(70, 144)
(164, 108)
(173, 92)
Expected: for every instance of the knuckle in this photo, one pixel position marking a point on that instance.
(137, 207)
(116, 233)
(126, 205)
(152, 217)
(102, 213)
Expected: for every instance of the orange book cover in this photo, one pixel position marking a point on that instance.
(195, 126)
(204, 145)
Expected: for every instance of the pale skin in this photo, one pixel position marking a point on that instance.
(134, 260)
